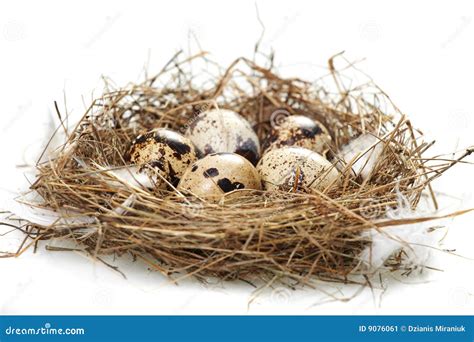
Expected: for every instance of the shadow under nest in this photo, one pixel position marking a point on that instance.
(296, 235)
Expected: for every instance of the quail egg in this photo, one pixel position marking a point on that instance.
(222, 130)
(295, 168)
(298, 130)
(218, 174)
(162, 152)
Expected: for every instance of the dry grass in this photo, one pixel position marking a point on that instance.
(263, 235)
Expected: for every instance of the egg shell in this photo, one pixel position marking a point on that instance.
(164, 153)
(222, 130)
(301, 131)
(218, 174)
(296, 168)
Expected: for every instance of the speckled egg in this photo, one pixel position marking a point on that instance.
(163, 152)
(222, 130)
(298, 130)
(294, 169)
(218, 174)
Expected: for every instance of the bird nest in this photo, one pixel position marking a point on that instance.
(261, 235)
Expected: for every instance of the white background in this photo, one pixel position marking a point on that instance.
(421, 53)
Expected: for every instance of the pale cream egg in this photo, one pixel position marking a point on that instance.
(294, 169)
(222, 130)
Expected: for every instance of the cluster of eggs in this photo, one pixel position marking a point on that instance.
(220, 153)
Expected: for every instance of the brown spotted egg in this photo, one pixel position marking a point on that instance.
(222, 130)
(298, 130)
(295, 168)
(218, 174)
(162, 152)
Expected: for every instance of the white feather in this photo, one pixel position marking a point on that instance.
(130, 175)
(42, 217)
(133, 177)
(128, 203)
(417, 240)
(365, 150)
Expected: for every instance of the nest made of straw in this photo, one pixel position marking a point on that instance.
(262, 235)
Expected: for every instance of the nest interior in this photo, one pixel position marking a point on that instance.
(262, 235)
